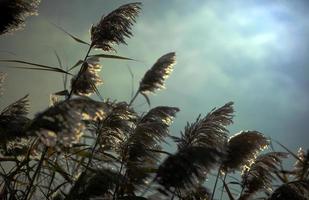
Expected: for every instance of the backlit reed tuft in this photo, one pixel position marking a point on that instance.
(209, 131)
(296, 190)
(199, 193)
(200, 148)
(114, 27)
(18, 108)
(64, 123)
(116, 127)
(158, 73)
(140, 148)
(153, 127)
(13, 120)
(88, 79)
(242, 149)
(301, 167)
(95, 183)
(186, 168)
(14, 13)
(261, 173)
(150, 131)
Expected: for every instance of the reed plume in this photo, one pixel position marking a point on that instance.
(209, 131)
(118, 125)
(86, 82)
(186, 168)
(155, 77)
(18, 108)
(150, 131)
(64, 123)
(13, 120)
(98, 183)
(297, 190)
(200, 148)
(199, 193)
(142, 147)
(242, 149)
(158, 73)
(14, 13)
(261, 174)
(301, 167)
(114, 27)
(120, 155)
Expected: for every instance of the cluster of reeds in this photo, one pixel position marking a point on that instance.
(79, 148)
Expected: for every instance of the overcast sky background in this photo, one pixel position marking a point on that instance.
(254, 53)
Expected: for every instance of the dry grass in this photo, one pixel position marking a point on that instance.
(81, 149)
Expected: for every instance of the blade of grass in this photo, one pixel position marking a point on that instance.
(64, 76)
(62, 93)
(71, 35)
(132, 80)
(76, 65)
(293, 154)
(228, 191)
(111, 57)
(43, 67)
(147, 99)
(39, 69)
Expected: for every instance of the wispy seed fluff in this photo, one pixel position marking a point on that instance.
(242, 150)
(13, 13)
(85, 83)
(158, 73)
(64, 123)
(114, 27)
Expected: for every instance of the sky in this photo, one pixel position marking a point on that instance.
(253, 53)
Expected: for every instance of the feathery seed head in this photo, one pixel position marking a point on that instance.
(114, 27)
(296, 190)
(301, 166)
(243, 148)
(64, 123)
(186, 167)
(85, 83)
(15, 12)
(261, 173)
(158, 73)
(13, 120)
(209, 131)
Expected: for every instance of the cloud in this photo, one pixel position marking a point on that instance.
(238, 51)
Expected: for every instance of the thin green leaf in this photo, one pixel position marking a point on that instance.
(228, 191)
(40, 67)
(147, 99)
(56, 167)
(58, 59)
(62, 93)
(69, 34)
(112, 57)
(96, 91)
(293, 154)
(76, 65)
(64, 76)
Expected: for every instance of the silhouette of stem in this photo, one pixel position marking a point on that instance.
(132, 100)
(81, 70)
(36, 173)
(223, 187)
(214, 189)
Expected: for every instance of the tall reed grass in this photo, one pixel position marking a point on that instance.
(79, 148)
